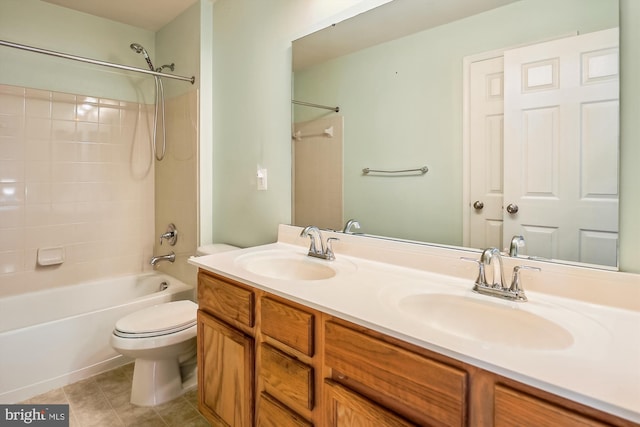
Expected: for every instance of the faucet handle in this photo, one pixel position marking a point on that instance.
(171, 235)
(329, 251)
(516, 284)
(480, 280)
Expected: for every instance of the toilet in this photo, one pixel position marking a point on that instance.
(162, 340)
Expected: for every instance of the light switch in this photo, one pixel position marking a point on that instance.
(262, 179)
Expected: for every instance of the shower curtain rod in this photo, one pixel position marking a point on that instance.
(308, 104)
(94, 61)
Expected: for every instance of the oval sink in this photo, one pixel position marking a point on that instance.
(486, 321)
(286, 265)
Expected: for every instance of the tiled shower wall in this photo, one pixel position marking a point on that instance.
(176, 185)
(75, 172)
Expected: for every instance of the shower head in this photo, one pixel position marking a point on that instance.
(137, 48)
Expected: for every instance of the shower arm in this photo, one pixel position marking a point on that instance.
(94, 61)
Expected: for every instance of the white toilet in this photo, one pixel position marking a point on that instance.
(162, 340)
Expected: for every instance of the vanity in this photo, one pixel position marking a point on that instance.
(390, 333)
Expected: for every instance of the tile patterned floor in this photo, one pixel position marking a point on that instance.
(103, 401)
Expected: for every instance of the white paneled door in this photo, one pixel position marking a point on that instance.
(543, 149)
(561, 148)
(486, 98)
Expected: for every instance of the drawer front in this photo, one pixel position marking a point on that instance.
(515, 408)
(289, 325)
(437, 392)
(346, 408)
(272, 413)
(229, 302)
(285, 378)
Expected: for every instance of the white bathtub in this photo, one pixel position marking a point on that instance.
(55, 337)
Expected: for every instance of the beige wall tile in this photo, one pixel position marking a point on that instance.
(85, 184)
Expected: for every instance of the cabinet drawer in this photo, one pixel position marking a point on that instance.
(430, 391)
(229, 302)
(289, 325)
(516, 408)
(287, 379)
(272, 413)
(344, 408)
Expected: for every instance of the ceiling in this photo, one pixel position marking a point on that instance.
(392, 20)
(146, 14)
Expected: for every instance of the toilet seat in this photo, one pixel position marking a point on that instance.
(158, 320)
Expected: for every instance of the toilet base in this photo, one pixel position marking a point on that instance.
(157, 381)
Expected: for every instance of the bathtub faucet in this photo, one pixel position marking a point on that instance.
(156, 259)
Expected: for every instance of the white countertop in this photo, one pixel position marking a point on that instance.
(601, 368)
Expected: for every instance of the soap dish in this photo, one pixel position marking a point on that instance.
(50, 256)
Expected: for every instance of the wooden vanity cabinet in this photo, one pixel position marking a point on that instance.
(264, 360)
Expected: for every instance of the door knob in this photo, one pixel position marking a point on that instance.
(511, 208)
(478, 205)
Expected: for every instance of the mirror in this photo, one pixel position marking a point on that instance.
(403, 88)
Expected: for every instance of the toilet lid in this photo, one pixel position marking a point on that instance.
(157, 320)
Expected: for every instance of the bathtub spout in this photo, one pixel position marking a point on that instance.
(156, 259)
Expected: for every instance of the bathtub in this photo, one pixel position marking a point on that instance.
(55, 337)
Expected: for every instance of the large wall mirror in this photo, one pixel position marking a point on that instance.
(464, 123)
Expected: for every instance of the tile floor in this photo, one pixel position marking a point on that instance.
(103, 401)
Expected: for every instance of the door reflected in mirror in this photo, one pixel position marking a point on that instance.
(486, 103)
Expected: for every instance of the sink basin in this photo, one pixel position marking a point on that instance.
(486, 321)
(288, 265)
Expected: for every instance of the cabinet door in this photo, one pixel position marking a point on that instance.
(346, 408)
(225, 373)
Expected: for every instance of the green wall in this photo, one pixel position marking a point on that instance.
(47, 26)
(252, 113)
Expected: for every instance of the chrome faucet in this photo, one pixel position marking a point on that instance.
(514, 292)
(317, 248)
(352, 223)
(516, 243)
(156, 259)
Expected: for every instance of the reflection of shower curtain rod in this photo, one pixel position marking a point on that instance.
(94, 61)
(308, 104)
